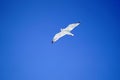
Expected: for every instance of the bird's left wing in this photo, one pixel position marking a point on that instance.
(72, 26)
(58, 36)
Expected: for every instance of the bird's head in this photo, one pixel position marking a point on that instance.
(61, 29)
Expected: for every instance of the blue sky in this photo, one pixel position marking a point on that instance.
(28, 26)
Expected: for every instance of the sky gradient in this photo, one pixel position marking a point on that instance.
(28, 26)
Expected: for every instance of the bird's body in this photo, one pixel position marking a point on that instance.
(66, 31)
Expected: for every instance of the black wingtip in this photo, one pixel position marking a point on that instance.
(52, 42)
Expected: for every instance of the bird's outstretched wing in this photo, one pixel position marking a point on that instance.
(72, 26)
(58, 36)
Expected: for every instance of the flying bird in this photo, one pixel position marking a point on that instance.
(65, 31)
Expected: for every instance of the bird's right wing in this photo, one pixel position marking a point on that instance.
(72, 26)
(58, 36)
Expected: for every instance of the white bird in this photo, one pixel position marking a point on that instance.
(65, 31)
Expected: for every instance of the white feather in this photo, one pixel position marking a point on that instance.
(65, 31)
(72, 26)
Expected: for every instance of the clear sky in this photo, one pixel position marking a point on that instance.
(28, 26)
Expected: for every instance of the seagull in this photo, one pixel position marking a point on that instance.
(65, 31)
